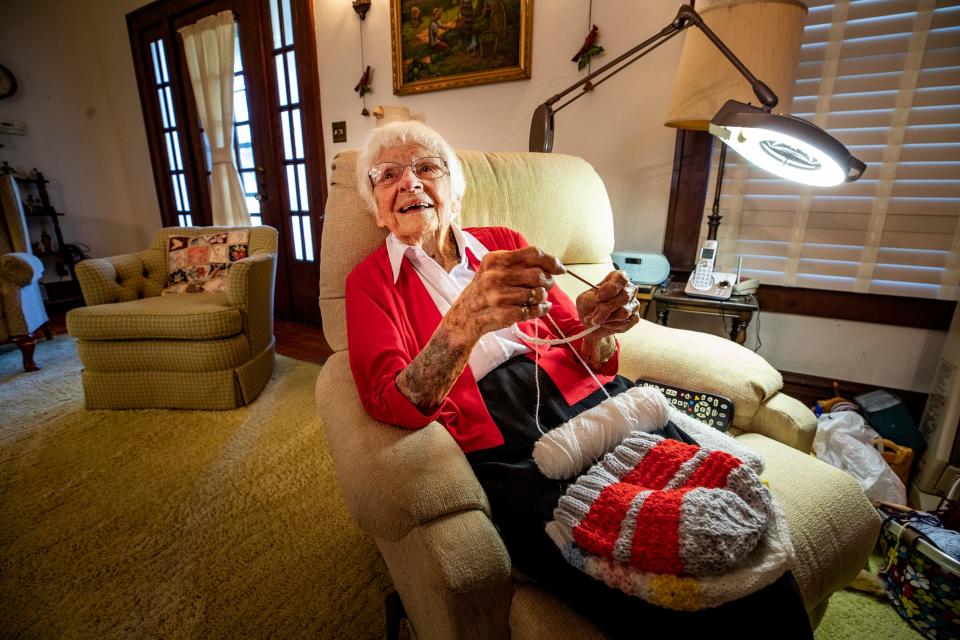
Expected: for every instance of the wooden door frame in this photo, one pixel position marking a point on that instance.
(306, 302)
(158, 19)
(144, 25)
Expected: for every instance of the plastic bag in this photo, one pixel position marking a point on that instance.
(844, 440)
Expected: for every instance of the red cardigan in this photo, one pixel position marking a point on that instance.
(389, 323)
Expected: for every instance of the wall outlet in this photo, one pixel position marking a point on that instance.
(340, 131)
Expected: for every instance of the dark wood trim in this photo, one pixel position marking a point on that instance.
(809, 389)
(304, 299)
(140, 37)
(917, 313)
(688, 193)
(313, 130)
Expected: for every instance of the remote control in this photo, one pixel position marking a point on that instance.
(712, 410)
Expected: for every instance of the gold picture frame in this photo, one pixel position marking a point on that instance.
(444, 44)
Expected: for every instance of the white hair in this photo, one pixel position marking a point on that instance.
(404, 132)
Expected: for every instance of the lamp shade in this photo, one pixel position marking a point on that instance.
(764, 34)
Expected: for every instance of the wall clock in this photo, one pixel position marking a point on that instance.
(8, 84)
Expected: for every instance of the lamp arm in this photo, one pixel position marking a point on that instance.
(670, 30)
(541, 128)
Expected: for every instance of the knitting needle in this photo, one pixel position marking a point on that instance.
(583, 280)
(592, 286)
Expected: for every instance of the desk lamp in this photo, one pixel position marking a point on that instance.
(784, 145)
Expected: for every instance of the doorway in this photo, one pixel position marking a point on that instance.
(278, 146)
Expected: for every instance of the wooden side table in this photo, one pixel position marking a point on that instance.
(739, 309)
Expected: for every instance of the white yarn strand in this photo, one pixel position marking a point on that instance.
(536, 378)
(553, 342)
(629, 420)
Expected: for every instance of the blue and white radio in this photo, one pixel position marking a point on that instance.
(642, 268)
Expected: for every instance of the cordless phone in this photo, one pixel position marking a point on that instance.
(704, 283)
(703, 274)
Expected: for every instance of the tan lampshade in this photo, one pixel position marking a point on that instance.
(764, 34)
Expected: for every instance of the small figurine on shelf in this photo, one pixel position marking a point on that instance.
(46, 241)
(33, 204)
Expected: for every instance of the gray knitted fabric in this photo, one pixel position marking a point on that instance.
(652, 497)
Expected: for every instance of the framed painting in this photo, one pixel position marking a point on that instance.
(443, 44)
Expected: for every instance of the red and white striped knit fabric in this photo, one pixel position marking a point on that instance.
(678, 525)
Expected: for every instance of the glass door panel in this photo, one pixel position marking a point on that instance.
(171, 135)
(288, 109)
(243, 139)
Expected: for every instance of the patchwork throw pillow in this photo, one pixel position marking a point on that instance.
(201, 263)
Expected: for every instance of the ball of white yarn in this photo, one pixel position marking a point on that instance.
(573, 446)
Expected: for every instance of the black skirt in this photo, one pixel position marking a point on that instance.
(522, 502)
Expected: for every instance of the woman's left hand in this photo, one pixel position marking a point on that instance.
(612, 305)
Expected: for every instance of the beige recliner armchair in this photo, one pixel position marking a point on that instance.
(414, 492)
(141, 350)
(21, 304)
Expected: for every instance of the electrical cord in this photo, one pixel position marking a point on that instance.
(759, 342)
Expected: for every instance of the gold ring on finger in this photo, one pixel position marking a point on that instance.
(531, 298)
(526, 312)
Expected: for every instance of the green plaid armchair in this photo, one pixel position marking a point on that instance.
(186, 351)
(21, 305)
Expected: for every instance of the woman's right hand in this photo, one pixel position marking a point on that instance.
(509, 286)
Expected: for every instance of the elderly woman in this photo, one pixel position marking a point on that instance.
(429, 318)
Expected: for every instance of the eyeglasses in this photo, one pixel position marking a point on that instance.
(387, 173)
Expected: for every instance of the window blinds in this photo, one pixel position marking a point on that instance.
(883, 77)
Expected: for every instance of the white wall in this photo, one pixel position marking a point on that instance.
(618, 129)
(882, 355)
(79, 98)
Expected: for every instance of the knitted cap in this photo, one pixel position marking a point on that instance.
(657, 517)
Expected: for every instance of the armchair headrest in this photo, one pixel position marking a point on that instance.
(557, 202)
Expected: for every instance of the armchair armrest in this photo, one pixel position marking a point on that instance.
(415, 493)
(250, 288)
(700, 361)
(787, 420)
(20, 268)
(705, 362)
(392, 479)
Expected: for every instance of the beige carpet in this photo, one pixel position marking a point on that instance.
(174, 524)
(199, 524)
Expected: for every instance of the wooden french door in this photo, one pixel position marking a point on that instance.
(278, 146)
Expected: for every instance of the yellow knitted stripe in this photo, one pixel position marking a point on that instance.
(674, 592)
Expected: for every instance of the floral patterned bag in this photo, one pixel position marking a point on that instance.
(922, 582)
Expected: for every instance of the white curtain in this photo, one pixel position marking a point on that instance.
(208, 47)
